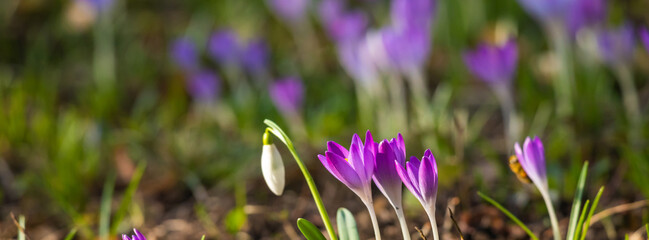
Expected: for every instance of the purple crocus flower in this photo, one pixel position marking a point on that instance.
(386, 177)
(347, 27)
(287, 94)
(223, 46)
(406, 49)
(420, 177)
(137, 236)
(354, 168)
(410, 13)
(203, 86)
(183, 52)
(101, 6)
(532, 158)
(493, 64)
(330, 10)
(644, 37)
(255, 56)
(585, 13)
(547, 10)
(291, 11)
(356, 58)
(616, 45)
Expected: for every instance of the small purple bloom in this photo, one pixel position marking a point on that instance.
(255, 56)
(420, 177)
(353, 167)
(183, 52)
(532, 159)
(585, 13)
(412, 13)
(493, 64)
(292, 11)
(546, 10)
(616, 45)
(407, 48)
(137, 236)
(386, 177)
(347, 27)
(644, 36)
(330, 10)
(101, 6)
(223, 46)
(203, 86)
(287, 94)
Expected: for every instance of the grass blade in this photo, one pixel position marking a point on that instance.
(104, 209)
(509, 214)
(128, 197)
(71, 234)
(590, 213)
(582, 217)
(576, 203)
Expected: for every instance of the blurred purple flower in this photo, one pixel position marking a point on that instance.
(287, 94)
(421, 178)
(203, 86)
(347, 27)
(223, 46)
(493, 64)
(585, 13)
(183, 52)
(356, 59)
(644, 36)
(386, 177)
(255, 56)
(137, 236)
(101, 6)
(353, 167)
(546, 10)
(407, 48)
(412, 13)
(330, 10)
(616, 45)
(292, 11)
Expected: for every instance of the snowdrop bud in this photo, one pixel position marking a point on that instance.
(272, 166)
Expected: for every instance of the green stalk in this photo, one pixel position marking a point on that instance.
(576, 204)
(563, 83)
(582, 217)
(279, 133)
(553, 216)
(509, 214)
(591, 212)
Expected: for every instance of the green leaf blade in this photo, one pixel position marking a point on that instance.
(509, 214)
(310, 231)
(576, 203)
(347, 229)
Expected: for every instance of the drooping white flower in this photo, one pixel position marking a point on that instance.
(272, 166)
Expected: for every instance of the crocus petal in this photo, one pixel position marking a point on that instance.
(356, 159)
(406, 180)
(139, 235)
(337, 149)
(368, 160)
(386, 177)
(413, 170)
(644, 36)
(348, 176)
(124, 237)
(427, 180)
(369, 143)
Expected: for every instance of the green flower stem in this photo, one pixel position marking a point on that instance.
(563, 84)
(553, 216)
(277, 131)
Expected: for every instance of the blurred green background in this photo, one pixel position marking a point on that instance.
(98, 130)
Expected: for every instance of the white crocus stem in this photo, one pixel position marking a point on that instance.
(272, 167)
(402, 222)
(430, 210)
(553, 217)
(375, 222)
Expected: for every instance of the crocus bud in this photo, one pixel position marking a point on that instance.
(272, 166)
